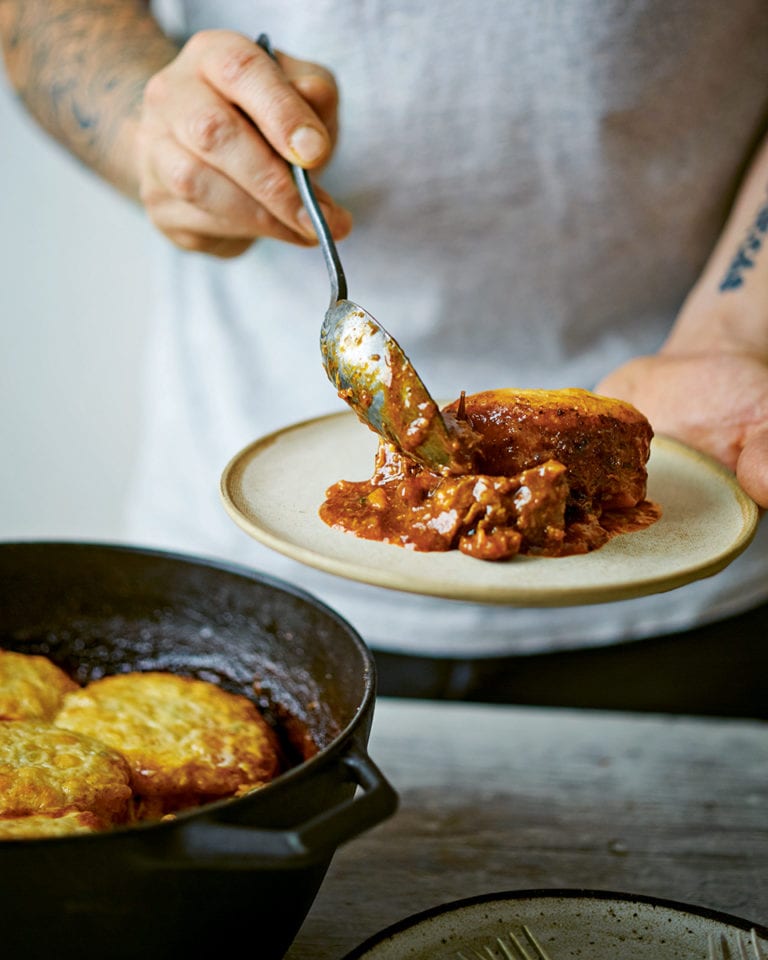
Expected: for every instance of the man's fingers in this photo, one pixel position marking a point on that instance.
(178, 181)
(213, 134)
(222, 247)
(181, 193)
(246, 75)
(339, 219)
(318, 87)
(219, 127)
(177, 217)
(752, 467)
(217, 135)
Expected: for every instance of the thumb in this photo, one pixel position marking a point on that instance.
(752, 467)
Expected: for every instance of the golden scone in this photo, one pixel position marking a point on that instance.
(186, 740)
(31, 687)
(44, 769)
(61, 823)
(604, 443)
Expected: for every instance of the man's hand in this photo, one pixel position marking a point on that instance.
(716, 402)
(217, 127)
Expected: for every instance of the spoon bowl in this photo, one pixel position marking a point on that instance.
(370, 370)
(373, 375)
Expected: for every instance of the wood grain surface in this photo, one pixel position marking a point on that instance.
(497, 798)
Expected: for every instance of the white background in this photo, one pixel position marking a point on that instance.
(74, 292)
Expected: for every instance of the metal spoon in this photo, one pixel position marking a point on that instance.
(370, 370)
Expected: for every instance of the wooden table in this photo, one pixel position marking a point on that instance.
(507, 798)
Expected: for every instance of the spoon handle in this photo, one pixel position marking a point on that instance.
(307, 193)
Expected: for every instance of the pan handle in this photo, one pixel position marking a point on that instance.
(207, 844)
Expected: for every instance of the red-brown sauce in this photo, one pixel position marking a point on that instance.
(566, 473)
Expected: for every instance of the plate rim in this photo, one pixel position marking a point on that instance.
(554, 893)
(543, 597)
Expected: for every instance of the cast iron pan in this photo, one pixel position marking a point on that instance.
(249, 867)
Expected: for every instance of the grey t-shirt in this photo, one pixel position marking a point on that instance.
(536, 186)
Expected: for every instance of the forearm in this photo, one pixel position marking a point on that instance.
(727, 310)
(80, 67)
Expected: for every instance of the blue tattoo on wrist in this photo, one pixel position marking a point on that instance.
(747, 252)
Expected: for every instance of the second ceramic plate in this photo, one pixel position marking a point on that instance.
(273, 490)
(568, 925)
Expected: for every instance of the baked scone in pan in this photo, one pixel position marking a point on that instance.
(45, 770)
(58, 823)
(31, 687)
(186, 741)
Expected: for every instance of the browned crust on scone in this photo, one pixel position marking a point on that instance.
(57, 823)
(44, 769)
(31, 687)
(186, 741)
(604, 443)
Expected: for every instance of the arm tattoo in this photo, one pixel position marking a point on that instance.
(746, 255)
(80, 67)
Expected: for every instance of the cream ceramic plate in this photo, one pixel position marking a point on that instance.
(274, 488)
(568, 924)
